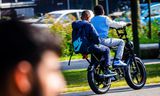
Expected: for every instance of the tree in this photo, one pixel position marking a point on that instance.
(135, 14)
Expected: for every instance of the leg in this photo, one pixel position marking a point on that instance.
(112, 42)
(99, 51)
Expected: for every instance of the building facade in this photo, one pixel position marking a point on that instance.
(30, 8)
(110, 6)
(22, 7)
(43, 6)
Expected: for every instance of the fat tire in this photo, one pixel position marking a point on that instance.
(128, 74)
(91, 79)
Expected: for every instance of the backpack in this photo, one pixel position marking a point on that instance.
(79, 39)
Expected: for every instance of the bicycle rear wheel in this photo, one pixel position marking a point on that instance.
(98, 85)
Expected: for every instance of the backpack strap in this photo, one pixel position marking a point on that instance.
(71, 54)
(69, 62)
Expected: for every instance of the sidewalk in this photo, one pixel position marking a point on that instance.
(80, 64)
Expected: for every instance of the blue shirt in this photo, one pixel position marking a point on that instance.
(100, 24)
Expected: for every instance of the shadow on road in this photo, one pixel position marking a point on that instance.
(126, 89)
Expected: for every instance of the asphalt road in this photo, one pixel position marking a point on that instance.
(148, 90)
(80, 64)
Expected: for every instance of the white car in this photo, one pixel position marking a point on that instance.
(61, 16)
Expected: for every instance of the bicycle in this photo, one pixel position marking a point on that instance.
(134, 73)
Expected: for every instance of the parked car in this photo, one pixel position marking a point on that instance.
(155, 12)
(62, 16)
(144, 16)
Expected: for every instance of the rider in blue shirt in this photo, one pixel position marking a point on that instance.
(102, 24)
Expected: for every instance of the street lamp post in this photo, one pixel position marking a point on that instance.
(96, 2)
(159, 43)
(107, 7)
(149, 15)
(68, 4)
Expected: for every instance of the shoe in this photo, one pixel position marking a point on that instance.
(119, 63)
(113, 79)
(109, 73)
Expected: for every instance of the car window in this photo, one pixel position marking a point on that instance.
(68, 18)
(55, 16)
(155, 10)
(47, 19)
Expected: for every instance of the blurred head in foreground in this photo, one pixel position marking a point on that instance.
(29, 64)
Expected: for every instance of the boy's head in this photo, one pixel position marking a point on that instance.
(98, 10)
(86, 15)
(29, 64)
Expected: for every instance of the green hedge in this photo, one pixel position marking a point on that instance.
(65, 32)
(144, 34)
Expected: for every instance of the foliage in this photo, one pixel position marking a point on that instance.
(144, 34)
(65, 33)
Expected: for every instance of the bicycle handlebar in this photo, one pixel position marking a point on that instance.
(128, 24)
(120, 35)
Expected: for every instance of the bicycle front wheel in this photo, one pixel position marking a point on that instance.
(135, 73)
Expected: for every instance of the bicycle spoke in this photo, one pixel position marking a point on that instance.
(137, 80)
(104, 83)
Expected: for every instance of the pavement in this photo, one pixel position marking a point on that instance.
(81, 64)
(148, 90)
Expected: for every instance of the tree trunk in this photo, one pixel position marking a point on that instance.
(135, 14)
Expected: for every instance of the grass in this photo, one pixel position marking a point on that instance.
(77, 79)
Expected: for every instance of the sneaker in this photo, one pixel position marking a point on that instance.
(109, 73)
(119, 63)
(113, 79)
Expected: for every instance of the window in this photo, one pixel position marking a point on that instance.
(68, 18)
(8, 1)
(24, 0)
(55, 15)
(14, 1)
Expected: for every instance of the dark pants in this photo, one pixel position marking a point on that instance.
(101, 52)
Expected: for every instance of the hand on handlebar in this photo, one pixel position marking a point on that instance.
(127, 24)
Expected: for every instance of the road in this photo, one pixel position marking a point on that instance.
(148, 90)
(80, 64)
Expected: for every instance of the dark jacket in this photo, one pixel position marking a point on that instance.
(89, 33)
